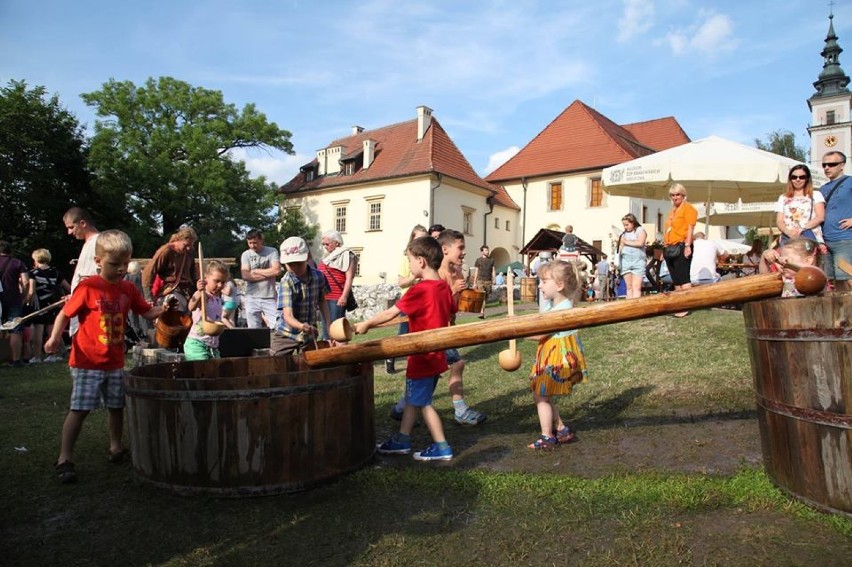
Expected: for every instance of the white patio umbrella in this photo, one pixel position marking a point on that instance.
(712, 169)
(761, 215)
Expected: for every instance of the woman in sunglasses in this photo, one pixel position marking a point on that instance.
(677, 238)
(801, 210)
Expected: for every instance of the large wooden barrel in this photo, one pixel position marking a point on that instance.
(248, 426)
(801, 359)
(528, 289)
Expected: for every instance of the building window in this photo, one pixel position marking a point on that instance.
(659, 221)
(595, 193)
(496, 223)
(375, 220)
(467, 221)
(340, 218)
(555, 197)
(507, 226)
(358, 252)
(830, 117)
(310, 174)
(597, 244)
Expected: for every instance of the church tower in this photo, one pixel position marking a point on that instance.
(831, 123)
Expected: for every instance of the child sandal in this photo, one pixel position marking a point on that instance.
(565, 435)
(543, 443)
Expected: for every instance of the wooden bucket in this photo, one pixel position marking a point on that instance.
(248, 426)
(528, 289)
(800, 357)
(471, 300)
(172, 328)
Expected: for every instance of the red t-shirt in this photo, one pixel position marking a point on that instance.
(428, 305)
(102, 308)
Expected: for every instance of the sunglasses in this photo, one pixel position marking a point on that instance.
(676, 195)
(833, 164)
(798, 177)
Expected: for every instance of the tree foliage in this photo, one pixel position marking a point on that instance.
(42, 172)
(782, 142)
(293, 224)
(164, 150)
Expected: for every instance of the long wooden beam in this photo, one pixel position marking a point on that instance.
(740, 290)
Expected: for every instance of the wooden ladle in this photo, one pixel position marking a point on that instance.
(212, 328)
(510, 359)
(809, 280)
(341, 330)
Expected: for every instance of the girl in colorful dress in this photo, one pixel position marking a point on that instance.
(198, 345)
(559, 360)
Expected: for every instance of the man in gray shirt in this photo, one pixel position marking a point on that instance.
(259, 267)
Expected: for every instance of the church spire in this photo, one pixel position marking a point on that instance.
(832, 80)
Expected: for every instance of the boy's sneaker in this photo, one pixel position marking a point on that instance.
(53, 358)
(65, 472)
(394, 446)
(470, 417)
(434, 453)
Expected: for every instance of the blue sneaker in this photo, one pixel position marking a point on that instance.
(394, 446)
(433, 453)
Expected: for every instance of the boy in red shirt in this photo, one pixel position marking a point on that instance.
(97, 352)
(429, 305)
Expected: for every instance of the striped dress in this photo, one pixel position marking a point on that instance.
(560, 362)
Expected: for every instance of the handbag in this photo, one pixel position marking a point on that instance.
(351, 304)
(672, 251)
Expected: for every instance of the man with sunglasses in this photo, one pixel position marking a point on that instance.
(837, 227)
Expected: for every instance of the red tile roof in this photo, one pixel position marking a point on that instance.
(399, 154)
(581, 138)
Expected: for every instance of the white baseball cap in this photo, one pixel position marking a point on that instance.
(294, 249)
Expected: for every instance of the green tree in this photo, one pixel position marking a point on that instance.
(42, 172)
(782, 142)
(165, 149)
(293, 224)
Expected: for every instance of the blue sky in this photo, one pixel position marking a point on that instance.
(495, 73)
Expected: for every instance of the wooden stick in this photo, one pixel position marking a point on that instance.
(740, 290)
(201, 275)
(510, 287)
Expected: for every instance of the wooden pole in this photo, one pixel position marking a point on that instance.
(740, 290)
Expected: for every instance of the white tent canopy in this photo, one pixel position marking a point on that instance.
(761, 215)
(712, 169)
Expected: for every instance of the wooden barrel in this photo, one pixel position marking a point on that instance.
(528, 289)
(801, 359)
(471, 300)
(248, 426)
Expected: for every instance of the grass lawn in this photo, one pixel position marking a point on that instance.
(667, 472)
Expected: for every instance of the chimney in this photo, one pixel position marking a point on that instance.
(322, 161)
(424, 119)
(357, 130)
(369, 151)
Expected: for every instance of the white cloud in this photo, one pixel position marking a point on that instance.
(638, 17)
(497, 159)
(711, 34)
(276, 166)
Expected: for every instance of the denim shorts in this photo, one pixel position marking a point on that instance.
(93, 389)
(633, 261)
(418, 393)
(839, 249)
(453, 356)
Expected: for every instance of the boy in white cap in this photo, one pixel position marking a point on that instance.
(300, 292)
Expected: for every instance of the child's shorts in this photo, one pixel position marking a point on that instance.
(94, 389)
(453, 356)
(418, 393)
(194, 349)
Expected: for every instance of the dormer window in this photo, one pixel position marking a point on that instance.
(310, 174)
(349, 168)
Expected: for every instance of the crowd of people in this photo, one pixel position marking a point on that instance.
(296, 299)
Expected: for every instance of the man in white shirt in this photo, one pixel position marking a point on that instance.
(78, 222)
(705, 255)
